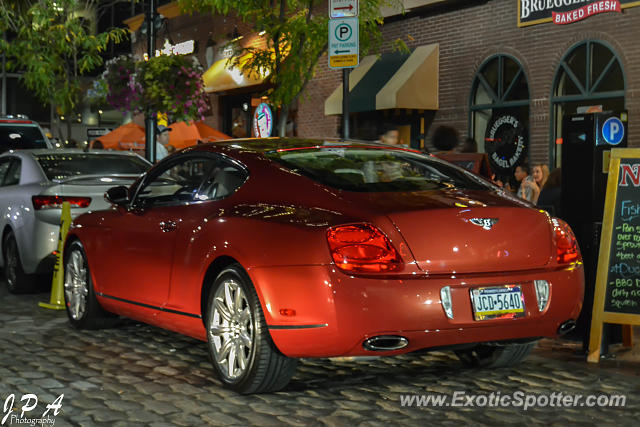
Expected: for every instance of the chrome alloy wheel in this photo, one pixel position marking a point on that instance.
(76, 286)
(231, 329)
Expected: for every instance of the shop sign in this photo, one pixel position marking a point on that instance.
(183, 48)
(93, 133)
(505, 141)
(561, 12)
(262, 121)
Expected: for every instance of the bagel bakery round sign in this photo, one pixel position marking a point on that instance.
(262, 121)
(505, 141)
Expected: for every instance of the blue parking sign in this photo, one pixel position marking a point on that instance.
(613, 130)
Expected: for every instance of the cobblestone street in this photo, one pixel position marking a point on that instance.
(140, 375)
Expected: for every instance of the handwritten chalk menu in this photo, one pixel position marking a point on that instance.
(623, 273)
(617, 293)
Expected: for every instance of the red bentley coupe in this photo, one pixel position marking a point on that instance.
(272, 250)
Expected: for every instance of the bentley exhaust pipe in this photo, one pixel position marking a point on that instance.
(566, 327)
(385, 343)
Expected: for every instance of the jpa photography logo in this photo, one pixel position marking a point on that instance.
(28, 414)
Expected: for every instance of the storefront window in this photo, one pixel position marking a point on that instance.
(236, 113)
(499, 112)
(589, 79)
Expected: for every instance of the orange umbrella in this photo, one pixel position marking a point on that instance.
(183, 134)
(129, 136)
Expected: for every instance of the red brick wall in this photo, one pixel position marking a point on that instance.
(470, 35)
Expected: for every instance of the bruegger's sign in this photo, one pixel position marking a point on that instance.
(561, 12)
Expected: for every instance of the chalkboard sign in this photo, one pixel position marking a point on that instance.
(623, 273)
(617, 294)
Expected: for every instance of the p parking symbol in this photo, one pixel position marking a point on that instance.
(343, 32)
(613, 131)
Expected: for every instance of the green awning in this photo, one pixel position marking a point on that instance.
(392, 80)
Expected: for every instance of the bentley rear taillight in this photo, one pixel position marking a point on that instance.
(567, 250)
(55, 202)
(362, 248)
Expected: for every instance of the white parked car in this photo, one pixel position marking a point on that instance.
(33, 186)
(18, 132)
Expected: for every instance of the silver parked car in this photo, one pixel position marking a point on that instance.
(33, 186)
(18, 132)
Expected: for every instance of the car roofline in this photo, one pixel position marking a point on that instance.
(276, 144)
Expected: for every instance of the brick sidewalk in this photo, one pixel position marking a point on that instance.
(137, 375)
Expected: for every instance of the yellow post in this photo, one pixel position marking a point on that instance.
(56, 302)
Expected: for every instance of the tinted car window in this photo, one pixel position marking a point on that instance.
(16, 136)
(375, 170)
(63, 166)
(224, 179)
(13, 173)
(191, 179)
(4, 168)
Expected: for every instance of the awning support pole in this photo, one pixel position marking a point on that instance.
(345, 102)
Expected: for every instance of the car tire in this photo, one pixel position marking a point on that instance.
(241, 349)
(83, 309)
(495, 356)
(18, 282)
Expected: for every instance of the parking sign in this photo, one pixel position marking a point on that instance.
(343, 8)
(613, 130)
(343, 43)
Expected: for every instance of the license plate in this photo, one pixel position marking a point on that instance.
(497, 302)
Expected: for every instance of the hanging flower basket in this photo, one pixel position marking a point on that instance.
(170, 84)
(122, 91)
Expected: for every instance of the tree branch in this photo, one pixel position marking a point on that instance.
(307, 76)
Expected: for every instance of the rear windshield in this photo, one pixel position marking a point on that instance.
(65, 166)
(17, 137)
(376, 169)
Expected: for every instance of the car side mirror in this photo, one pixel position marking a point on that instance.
(117, 195)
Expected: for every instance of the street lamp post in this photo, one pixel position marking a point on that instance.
(150, 119)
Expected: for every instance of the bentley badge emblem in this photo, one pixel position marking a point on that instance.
(485, 223)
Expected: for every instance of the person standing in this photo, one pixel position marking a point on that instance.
(162, 142)
(468, 146)
(551, 194)
(537, 181)
(390, 135)
(540, 174)
(445, 139)
(525, 190)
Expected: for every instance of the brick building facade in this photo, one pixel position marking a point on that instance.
(472, 32)
(469, 34)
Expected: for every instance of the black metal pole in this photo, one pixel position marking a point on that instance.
(150, 119)
(3, 106)
(345, 102)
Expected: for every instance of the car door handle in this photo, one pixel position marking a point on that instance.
(167, 226)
